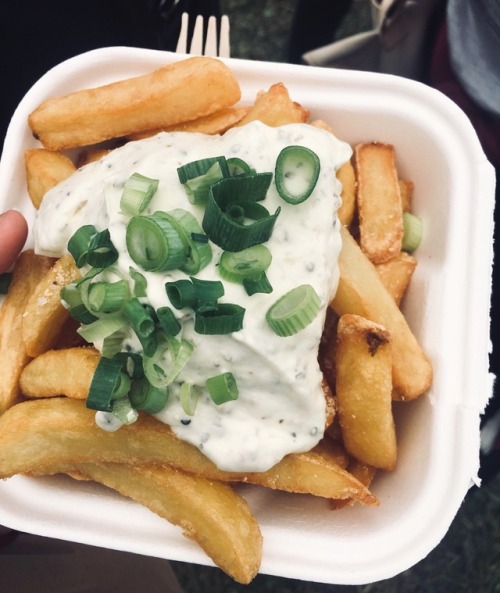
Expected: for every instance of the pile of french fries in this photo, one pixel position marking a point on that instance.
(369, 355)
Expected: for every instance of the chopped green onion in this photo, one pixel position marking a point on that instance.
(207, 292)
(155, 244)
(296, 173)
(224, 319)
(222, 388)
(198, 176)
(140, 317)
(294, 311)
(137, 193)
(123, 410)
(248, 263)
(199, 252)
(412, 232)
(107, 297)
(140, 282)
(101, 251)
(168, 321)
(105, 381)
(5, 279)
(112, 344)
(181, 293)
(189, 398)
(132, 363)
(257, 285)
(239, 192)
(101, 328)
(78, 245)
(144, 396)
(166, 363)
(71, 297)
(238, 167)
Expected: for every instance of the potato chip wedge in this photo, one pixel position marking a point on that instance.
(28, 270)
(60, 372)
(364, 391)
(274, 107)
(396, 274)
(38, 433)
(379, 201)
(44, 313)
(45, 169)
(361, 291)
(209, 512)
(181, 91)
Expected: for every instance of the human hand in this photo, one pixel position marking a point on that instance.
(13, 233)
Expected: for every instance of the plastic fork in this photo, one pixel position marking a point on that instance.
(201, 45)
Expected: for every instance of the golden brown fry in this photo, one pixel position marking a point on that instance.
(364, 386)
(362, 292)
(274, 107)
(397, 273)
(210, 513)
(347, 176)
(379, 201)
(406, 187)
(362, 472)
(178, 92)
(40, 433)
(44, 313)
(60, 372)
(44, 169)
(214, 123)
(28, 270)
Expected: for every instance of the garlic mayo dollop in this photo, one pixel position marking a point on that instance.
(281, 405)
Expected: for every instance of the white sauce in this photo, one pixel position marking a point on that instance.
(281, 405)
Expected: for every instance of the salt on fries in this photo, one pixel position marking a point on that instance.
(368, 354)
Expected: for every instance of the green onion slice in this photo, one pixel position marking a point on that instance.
(412, 232)
(72, 299)
(189, 397)
(101, 328)
(137, 193)
(199, 252)
(140, 282)
(198, 176)
(257, 285)
(239, 167)
(168, 321)
(181, 293)
(144, 396)
(296, 173)
(78, 245)
(247, 263)
(101, 251)
(132, 363)
(112, 344)
(294, 311)
(222, 388)
(155, 244)
(5, 280)
(239, 194)
(123, 410)
(107, 297)
(224, 319)
(105, 381)
(162, 368)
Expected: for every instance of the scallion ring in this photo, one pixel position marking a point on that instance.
(224, 319)
(106, 379)
(294, 311)
(222, 388)
(296, 173)
(138, 191)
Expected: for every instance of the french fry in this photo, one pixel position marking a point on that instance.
(60, 372)
(379, 201)
(181, 91)
(214, 123)
(45, 169)
(211, 513)
(28, 270)
(396, 274)
(363, 387)
(40, 433)
(274, 107)
(44, 313)
(406, 187)
(361, 292)
(347, 176)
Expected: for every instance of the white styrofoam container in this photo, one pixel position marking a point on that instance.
(447, 307)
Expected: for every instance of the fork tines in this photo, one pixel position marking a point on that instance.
(197, 45)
